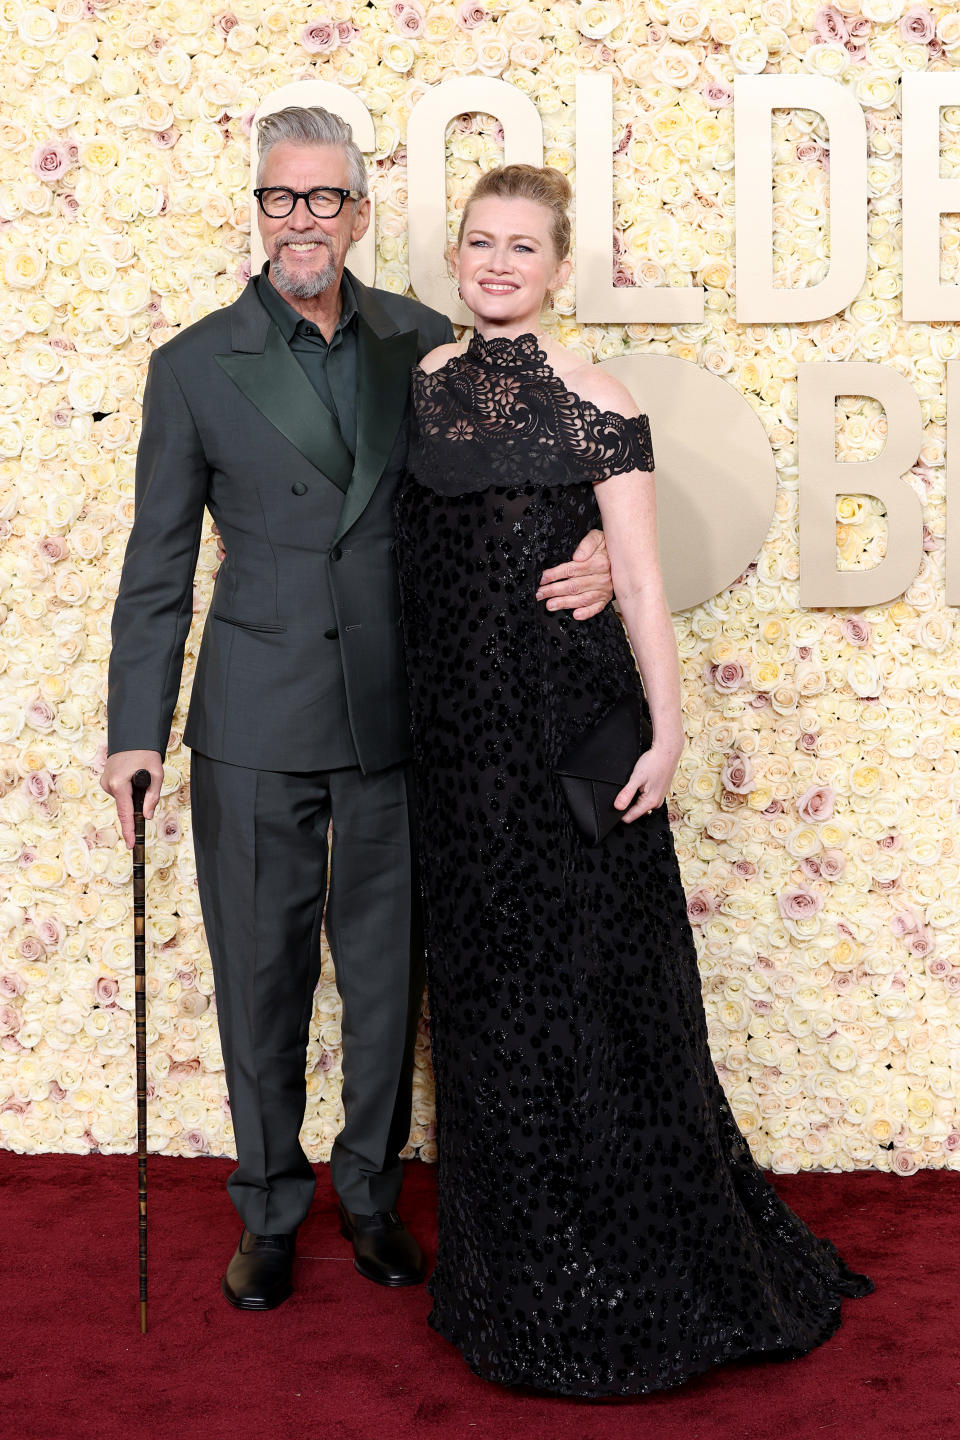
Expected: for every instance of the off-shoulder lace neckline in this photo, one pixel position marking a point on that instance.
(523, 356)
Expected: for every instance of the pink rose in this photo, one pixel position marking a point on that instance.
(60, 418)
(745, 869)
(890, 842)
(155, 45)
(12, 984)
(107, 990)
(832, 864)
(30, 949)
(810, 866)
(938, 967)
(196, 1140)
(904, 922)
(225, 22)
(855, 630)
(810, 151)
(347, 31)
(56, 1092)
(717, 94)
(319, 37)
(40, 713)
(9, 1018)
(165, 139)
(905, 1162)
(327, 1061)
(470, 14)
(728, 676)
(737, 774)
(917, 26)
(830, 25)
(952, 1141)
(408, 17)
(858, 28)
(50, 160)
(701, 905)
(799, 903)
(921, 942)
(69, 206)
(168, 828)
(50, 932)
(185, 1067)
(38, 784)
(53, 548)
(816, 804)
(807, 742)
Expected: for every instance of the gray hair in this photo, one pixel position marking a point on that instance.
(311, 125)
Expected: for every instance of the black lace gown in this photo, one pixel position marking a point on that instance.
(603, 1228)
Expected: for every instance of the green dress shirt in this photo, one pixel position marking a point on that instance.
(330, 368)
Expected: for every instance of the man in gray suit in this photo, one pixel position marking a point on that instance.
(285, 415)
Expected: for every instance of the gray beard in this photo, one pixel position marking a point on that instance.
(302, 287)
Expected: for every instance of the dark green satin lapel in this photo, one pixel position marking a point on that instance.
(275, 382)
(383, 388)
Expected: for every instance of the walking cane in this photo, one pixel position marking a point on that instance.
(141, 783)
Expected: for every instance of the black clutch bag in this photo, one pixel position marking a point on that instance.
(595, 768)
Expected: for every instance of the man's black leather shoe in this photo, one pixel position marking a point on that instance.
(383, 1249)
(258, 1276)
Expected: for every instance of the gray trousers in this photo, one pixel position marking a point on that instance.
(261, 850)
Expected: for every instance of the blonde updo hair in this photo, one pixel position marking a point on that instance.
(528, 182)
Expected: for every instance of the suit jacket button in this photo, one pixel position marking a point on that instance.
(299, 488)
(336, 553)
(330, 634)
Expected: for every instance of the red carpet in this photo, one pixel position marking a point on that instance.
(346, 1360)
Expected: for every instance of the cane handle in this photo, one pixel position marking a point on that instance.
(141, 784)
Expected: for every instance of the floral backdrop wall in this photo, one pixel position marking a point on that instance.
(815, 810)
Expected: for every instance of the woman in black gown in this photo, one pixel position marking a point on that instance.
(603, 1228)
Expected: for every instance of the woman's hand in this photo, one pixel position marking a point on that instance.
(649, 781)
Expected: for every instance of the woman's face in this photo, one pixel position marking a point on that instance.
(506, 261)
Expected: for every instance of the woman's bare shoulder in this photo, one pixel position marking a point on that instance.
(602, 389)
(435, 359)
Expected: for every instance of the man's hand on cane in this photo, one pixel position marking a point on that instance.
(117, 780)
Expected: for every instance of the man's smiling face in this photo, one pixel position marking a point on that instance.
(307, 254)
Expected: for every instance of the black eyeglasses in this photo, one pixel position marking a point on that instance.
(324, 202)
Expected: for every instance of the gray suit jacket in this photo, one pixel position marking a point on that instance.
(301, 663)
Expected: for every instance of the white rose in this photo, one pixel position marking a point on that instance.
(85, 390)
(37, 26)
(129, 294)
(596, 18)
